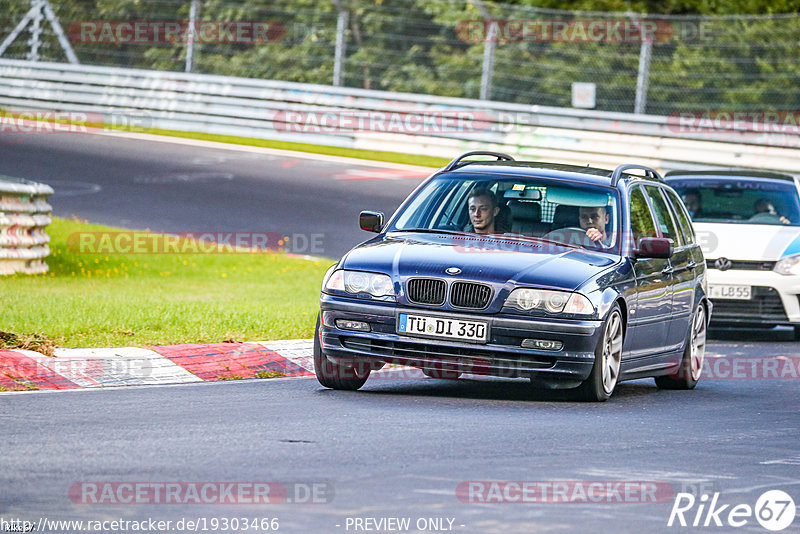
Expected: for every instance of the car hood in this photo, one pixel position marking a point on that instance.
(481, 259)
(747, 242)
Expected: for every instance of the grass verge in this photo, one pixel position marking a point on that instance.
(374, 155)
(112, 300)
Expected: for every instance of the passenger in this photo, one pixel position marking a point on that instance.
(483, 209)
(765, 210)
(694, 203)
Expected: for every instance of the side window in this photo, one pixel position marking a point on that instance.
(663, 216)
(641, 220)
(683, 217)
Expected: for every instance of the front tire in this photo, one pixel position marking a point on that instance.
(693, 355)
(607, 360)
(335, 376)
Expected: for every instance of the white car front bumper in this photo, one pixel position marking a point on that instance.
(774, 299)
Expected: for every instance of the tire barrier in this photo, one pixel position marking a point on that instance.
(24, 215)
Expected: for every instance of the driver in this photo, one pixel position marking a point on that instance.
(764, 208)
(594, 221)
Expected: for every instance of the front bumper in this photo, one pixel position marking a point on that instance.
(501, 356)
(775, 298)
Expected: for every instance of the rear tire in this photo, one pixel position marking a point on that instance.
(693, 355)
(607, 360)
(335, 376)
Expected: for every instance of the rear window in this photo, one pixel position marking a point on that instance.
(739, 200)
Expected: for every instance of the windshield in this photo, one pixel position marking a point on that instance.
(740, 200)
(578, 215)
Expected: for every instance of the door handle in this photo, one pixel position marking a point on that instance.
(691, 265)
(667, 271)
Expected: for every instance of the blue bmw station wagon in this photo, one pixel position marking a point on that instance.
(573, 277)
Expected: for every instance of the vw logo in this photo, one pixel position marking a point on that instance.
(723, 264)
(453, 270)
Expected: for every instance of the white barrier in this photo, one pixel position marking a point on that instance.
(24, 215)
(263, 109)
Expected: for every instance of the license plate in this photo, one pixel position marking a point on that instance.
(422, 325)
(730, 292)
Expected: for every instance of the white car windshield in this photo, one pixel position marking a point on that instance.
(740, 200)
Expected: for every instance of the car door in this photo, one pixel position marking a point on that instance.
(686, 262)
(649, 315)
(677, 266)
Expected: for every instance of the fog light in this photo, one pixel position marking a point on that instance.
(542, 344)
(358, 326)
(327, 319)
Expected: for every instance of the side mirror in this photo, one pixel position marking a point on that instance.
(653, 247)
(371, 221)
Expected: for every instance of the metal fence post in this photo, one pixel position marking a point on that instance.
(488, 61)
(341, 29)
(643, 77)
(489, 45)
(191, 35)
(36, 31)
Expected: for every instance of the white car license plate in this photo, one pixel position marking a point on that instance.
(423, 325)
(730, 292)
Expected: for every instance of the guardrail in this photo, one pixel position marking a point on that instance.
(280, 110)
(24, 215)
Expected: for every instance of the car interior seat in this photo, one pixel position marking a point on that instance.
(527, 217)
(565, 216)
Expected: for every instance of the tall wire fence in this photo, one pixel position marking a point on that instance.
(465, 48)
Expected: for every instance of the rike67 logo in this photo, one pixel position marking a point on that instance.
(774, 510)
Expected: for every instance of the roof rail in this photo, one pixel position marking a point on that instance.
(622, 168)
(734, 172)
(455, 163)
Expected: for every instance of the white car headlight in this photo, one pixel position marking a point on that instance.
(789, 265)
(359, 283)
(529, 299)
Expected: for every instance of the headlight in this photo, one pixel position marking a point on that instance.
(546, 300)
(360, 283)
(789, 265)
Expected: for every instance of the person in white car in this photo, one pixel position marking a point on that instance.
(766, 212)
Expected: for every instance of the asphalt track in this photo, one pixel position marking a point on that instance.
(178, 188)
(399, 448)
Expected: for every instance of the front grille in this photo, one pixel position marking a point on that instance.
(764, 307)
(478, 361)
(470, 295)
(426, 291)
(742, 265)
